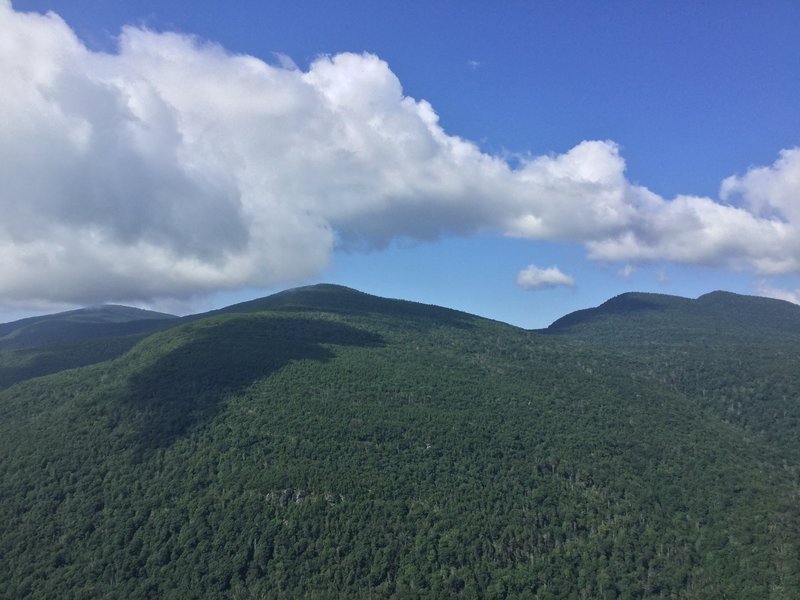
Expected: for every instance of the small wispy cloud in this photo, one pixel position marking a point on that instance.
(626, 271)
(473, 64)
(534, 277)
(285, 61)
(765, 289)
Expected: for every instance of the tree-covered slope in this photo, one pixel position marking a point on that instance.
(636, 318)
(736, 356)
(39, 346)
(361, 447)
(74, 325)
(339, 299)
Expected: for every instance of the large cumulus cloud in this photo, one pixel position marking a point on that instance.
(172, 167)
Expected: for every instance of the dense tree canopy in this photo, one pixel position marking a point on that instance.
(326, 443)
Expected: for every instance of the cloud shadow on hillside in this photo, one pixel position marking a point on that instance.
(186, 387)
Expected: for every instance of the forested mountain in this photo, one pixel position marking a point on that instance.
(658, 318)
(41, 345)
(737, 357)
(84, 323)
(324, 443)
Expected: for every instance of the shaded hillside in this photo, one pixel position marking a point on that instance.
(342, 445)
(39, 346)
(28, 363)
(48, 344)
(75, 325)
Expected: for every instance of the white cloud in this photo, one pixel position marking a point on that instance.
(765, 289)
(285, 61)
(770, 192)
(534, 277)
(626, 271)
(172, 168)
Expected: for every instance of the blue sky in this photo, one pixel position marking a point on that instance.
(688, 94)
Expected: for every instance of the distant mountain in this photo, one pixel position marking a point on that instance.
(322, 442)
(736, 356)
(84, 323)
(47, 344)
(659, 317)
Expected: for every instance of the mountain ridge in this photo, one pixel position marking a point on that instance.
(88, 322)
(49, 343)
(328, 443)
(728, 307)
(335, 297)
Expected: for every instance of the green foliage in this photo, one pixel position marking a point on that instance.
(83, 324)
(19, 365)
(735, 356)
(48, 344)
(342, 445)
